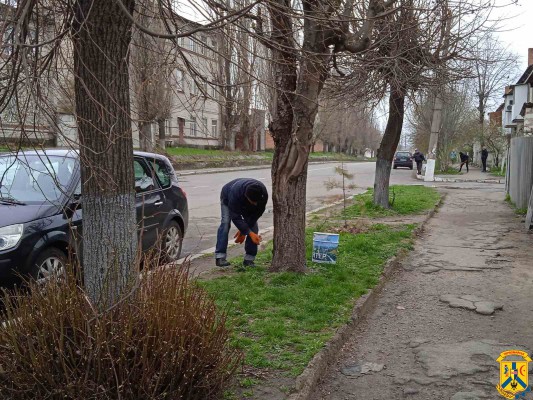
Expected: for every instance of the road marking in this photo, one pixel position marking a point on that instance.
(197, 187)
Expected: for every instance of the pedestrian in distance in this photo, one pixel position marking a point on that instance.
(464, 160)
(243, 202)
(419, 159)
(484, 156)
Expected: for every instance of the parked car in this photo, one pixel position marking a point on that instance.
(41, 209)
(403, 159)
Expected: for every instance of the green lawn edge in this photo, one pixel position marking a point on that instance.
(281, 320)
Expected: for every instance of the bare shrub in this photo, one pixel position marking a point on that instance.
(167, 340)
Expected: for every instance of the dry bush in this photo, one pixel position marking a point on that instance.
(166, 340)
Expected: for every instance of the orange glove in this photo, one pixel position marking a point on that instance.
(239, 237)
(255, 238)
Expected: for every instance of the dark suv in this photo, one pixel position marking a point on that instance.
(403, 159)
(41, 209)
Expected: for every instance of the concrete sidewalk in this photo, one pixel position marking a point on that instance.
(474, 175)
(461, 297)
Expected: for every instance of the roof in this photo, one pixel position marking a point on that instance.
(524, 107)
(526, 76)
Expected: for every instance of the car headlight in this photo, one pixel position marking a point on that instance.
(10, 236)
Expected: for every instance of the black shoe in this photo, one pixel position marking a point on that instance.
(222, 262)
(248, 263)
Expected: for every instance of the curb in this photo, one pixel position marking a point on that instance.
(306, 383)
(459, 180)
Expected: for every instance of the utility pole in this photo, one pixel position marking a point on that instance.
(436, 122)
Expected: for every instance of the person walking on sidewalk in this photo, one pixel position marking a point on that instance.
(464, 160)
(419, 159)
(243, 202)
(484, 156)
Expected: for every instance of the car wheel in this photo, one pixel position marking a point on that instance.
(51, 262)
(172, 242)
(411, 167)
(394, 166)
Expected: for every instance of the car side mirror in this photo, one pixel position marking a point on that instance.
(73, 205)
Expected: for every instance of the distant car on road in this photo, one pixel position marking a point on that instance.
(403, 159)
(41, 210)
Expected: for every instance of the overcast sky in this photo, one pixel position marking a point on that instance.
(517, 27)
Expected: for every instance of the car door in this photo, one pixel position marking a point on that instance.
(149, 200)
(163, 175)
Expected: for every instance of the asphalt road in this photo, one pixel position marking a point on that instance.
(203, 193)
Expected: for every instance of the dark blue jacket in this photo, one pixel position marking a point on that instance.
(243, 213)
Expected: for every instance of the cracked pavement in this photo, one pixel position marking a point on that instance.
(460, 298)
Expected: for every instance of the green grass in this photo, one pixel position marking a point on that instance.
(281, 320)
(498, 172)
(518, 211)
(213, 153)
(334, 156)
(449, 171)
(407, 200)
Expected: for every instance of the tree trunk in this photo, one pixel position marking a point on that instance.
(230, 144)
(145, 134)
(388, 146)
(101, 37)
(162, 133)
(288, 197)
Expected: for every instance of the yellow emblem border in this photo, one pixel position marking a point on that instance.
(503, 355)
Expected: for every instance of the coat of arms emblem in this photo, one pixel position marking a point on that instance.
(513, 374)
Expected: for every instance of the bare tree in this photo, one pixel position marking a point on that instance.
(494, 65)
(99, 33)
(151, 75)
(345, 125)
(304, 42)
(458, 116)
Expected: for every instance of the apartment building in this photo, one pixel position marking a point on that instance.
(194, 117)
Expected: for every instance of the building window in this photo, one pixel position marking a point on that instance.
(180, 79)
(214, 128)
(204, 127)
(10, 113)
(7, 41)
(193, 128)
(203, 45)
(193, 46)
(213, 92)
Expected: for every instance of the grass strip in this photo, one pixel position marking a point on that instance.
(449, 171)
(405, 199)
(281, 320)
(216, 154)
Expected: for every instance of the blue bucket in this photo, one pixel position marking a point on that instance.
(325, 247)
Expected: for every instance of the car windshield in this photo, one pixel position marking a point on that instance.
(402, 154)
(35, 178)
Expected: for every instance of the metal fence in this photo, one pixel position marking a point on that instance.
(521, 171)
